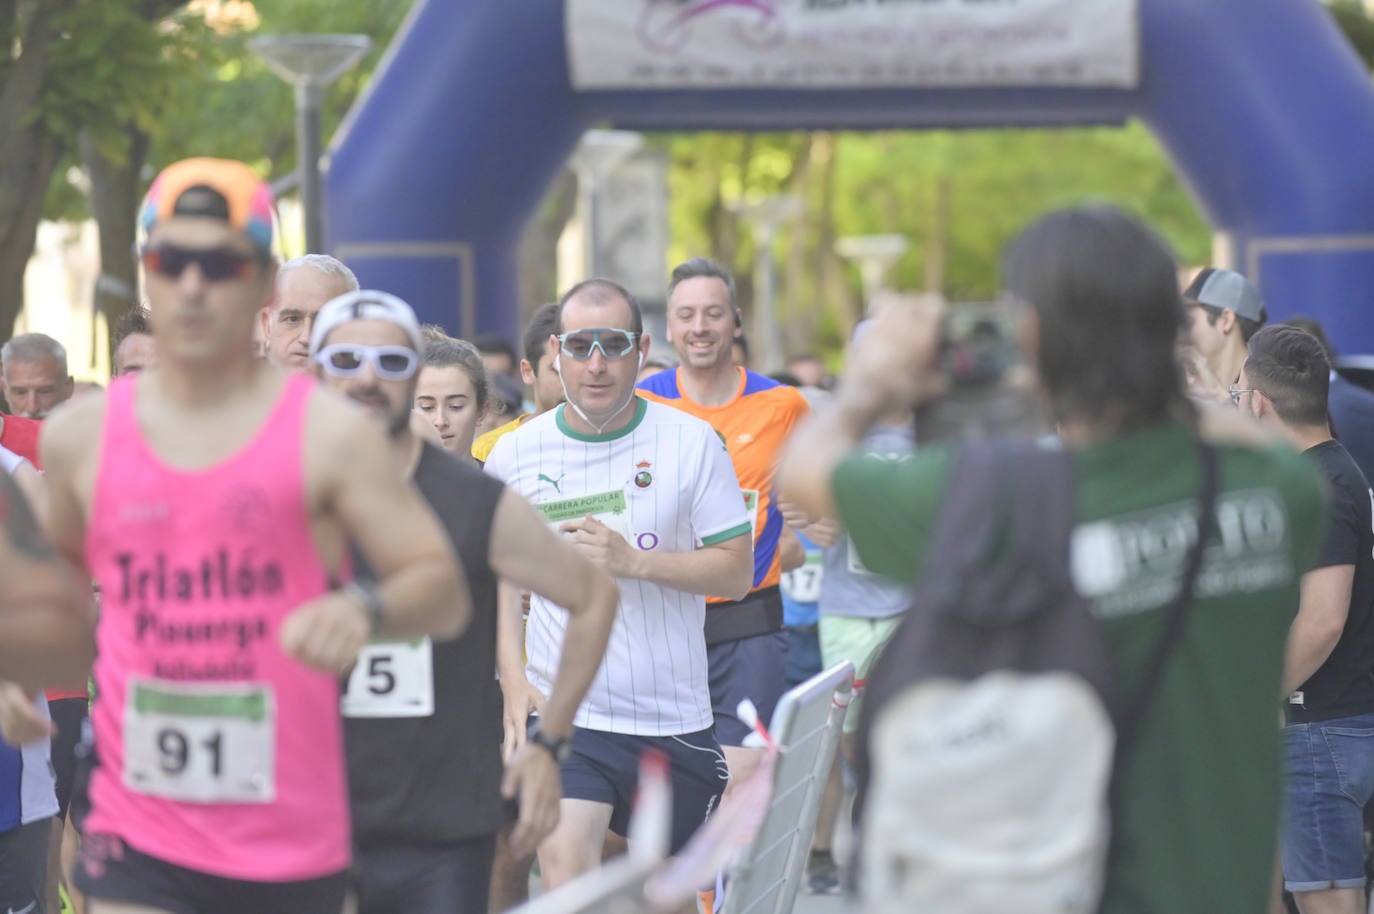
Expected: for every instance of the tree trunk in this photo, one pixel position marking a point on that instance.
(800, 282)
(937, 251)
(114, 199)
(538, 256)
(834, 292)
(725, 236)
(27, 148)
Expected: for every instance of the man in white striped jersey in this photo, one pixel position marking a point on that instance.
(649, 493)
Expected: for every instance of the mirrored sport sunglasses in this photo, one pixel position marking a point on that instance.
(614, 344)
(216, 264)
(392, 363)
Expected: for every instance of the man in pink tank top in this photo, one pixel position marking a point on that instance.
(213, 498)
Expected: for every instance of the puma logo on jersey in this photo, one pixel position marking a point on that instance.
(556, 483)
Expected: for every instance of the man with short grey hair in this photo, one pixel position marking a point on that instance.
(34, 369)
(303, 286)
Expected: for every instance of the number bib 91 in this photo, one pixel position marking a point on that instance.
(392, 679)
(201, 742)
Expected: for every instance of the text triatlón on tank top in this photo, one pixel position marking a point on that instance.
(155, 588)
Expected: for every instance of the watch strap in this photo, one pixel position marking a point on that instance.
(558, 747)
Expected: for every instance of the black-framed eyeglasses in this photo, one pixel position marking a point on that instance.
(614, 344)
(346, 360)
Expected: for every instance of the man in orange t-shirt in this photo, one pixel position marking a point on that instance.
(745, 642)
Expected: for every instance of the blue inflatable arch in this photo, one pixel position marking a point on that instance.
(1263, 106)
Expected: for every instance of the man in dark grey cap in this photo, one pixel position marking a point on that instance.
(1224, 310)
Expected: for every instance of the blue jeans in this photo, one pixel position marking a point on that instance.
(1328, 780)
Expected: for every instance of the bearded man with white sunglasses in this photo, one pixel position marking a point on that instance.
(649, 494)
(421, 716)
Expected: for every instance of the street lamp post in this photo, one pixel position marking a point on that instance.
(765, 217)
(310, 63)
(595, 157)
(874, 255)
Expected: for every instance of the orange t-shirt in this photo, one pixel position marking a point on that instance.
(753, 426)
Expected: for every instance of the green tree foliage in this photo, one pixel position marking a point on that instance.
(957, 196)
(136, 84)
(1354, 20)
(238, 109)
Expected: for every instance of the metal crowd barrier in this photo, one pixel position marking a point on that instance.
(806, 726)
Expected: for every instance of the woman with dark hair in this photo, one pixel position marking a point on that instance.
(453, 391)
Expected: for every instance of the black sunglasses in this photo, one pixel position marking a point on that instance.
(216, 264)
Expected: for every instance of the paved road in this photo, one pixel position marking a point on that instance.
(820, 904)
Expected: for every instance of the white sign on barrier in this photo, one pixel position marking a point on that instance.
(837, 44)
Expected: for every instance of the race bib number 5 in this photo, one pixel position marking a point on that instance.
(201, 743)
(392, 679)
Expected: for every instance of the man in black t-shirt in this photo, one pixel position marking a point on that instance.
(1329, 663)
(422, 718)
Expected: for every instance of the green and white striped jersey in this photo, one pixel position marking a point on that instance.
(664, 482)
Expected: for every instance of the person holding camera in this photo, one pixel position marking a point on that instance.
(1195, 825)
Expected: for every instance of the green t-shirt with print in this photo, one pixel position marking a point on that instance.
(1197, 827)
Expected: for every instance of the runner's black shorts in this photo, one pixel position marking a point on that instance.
(442, 879)
(24, 868)
(604, 768)
(110, 870)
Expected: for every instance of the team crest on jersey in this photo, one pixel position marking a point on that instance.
(643, 479)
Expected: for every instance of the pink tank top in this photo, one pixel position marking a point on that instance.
(215, 751)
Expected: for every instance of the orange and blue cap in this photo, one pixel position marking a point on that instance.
(213, 189)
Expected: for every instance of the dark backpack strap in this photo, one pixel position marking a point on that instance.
(1137, 705)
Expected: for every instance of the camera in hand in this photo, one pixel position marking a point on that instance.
(989, 389)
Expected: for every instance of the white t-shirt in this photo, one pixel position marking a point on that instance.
(663, 482)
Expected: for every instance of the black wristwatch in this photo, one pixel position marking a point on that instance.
(560, 747)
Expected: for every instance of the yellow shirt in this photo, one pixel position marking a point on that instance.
(481, 448)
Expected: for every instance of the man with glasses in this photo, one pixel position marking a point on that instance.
(1329, 663)
(421, 716)
(648, 493)
(303, 286)
(207, 499)
(1223, 310)
(753, 415)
